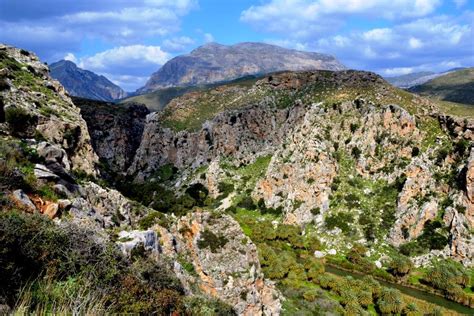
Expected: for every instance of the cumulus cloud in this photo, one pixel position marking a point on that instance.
(436, 43)
(178, 44)
(43, 24)
(302, 18)
(128, 66)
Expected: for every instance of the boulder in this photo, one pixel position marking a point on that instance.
(23, 201)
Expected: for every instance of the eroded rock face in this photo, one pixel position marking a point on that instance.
(50, 112)
(470, 189)
(232, 270)
(116, 130)
(105, 206)
(239, 134)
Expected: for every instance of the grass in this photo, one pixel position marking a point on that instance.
(455, 109)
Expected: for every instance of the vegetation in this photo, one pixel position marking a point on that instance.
(70, 270)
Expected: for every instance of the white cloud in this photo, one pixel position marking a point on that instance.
(70, 57)
(459, 3)
(432, 42)
(378, 35)
(390, 72)
(134, 56)
(178, 44)
(302, 18)
(128, 66)
(45, 23)
(415, 43)
(208, 38)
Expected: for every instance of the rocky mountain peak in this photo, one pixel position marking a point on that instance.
(215, 62)
(83, 83)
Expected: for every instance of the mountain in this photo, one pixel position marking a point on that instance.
(214, 62)
(294, 193)
(456, 86)
(84, 83)
(413, 79)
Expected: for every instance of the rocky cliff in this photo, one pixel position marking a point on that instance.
(84, 83)
(216, 63)
(335, 157)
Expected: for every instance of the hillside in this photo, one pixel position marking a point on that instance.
(159, 99)
(83, 83)
(457, 86)
(413, 79)
(213, 63)
(237, 199)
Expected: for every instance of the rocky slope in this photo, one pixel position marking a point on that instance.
(329, 158)
(38, 106)
(85, 84)
(217, 63)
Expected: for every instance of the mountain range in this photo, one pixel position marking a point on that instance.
(84, 83)
(214, 63)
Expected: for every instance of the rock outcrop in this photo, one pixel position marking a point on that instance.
(43, 107)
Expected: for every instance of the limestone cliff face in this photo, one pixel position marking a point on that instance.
(240, 134)
(44, 106)
(334, 154)
(116, 130)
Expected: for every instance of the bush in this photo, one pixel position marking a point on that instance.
(70, 267)
(20, 121)
(196, 305)
(212, 241)
(400, 266)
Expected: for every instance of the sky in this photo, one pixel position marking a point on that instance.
(128, 40)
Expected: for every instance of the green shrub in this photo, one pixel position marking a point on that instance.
(197, 305)
(61, 266)
(20, 121)
(400, 265)
(212, 241)
(340, 220)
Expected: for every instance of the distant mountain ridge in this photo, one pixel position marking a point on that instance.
(416, 78)
(84, 83)
(214, 63)
(453, 86)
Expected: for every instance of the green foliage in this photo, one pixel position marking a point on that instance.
(196, 305)
(57, 264)
(151, 219)
(433, 237)
(19, 120)
(400, 265)
(390, 301)
(450, 277)
(212, 241)
(340, 220)
(165, 172)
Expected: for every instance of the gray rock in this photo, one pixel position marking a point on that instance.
(53, 153)
(23, 201)
(129, 240)
(43, 173)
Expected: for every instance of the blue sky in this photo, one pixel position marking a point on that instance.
(127, 40)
